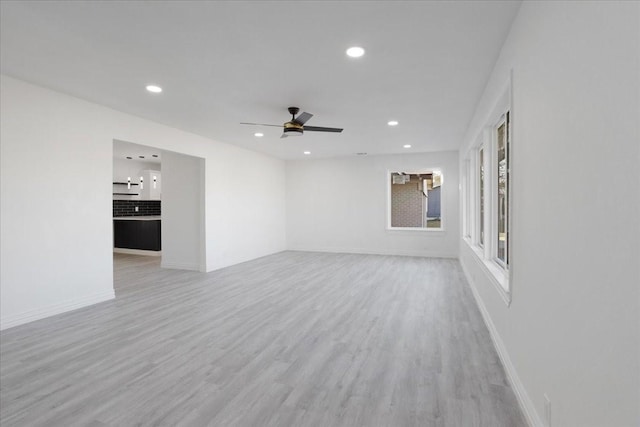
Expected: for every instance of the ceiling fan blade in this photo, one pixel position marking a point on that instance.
(284, 135)
(322, 129)
(303, 118)
(260, 124)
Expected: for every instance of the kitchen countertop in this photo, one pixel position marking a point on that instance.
(137, 218)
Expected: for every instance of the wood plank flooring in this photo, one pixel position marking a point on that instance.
(292, 339)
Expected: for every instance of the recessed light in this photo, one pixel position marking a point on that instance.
(392, 123)
(154, 155)
(307, 152)
(355, 52)
(142, 157)
(154, 88)
(129, 157)
(407, 145)
(258, 134)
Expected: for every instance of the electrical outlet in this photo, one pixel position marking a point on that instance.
(547, 410)
(136, 209)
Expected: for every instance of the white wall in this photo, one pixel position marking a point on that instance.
(182, 211)
(572, 330)
(340, 205)
(56, 158)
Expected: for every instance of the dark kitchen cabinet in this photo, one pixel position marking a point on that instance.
(137, 234)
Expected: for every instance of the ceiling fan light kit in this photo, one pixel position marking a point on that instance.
(296, 127)
(291, 131)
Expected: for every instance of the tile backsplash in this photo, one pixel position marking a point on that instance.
(128, 207)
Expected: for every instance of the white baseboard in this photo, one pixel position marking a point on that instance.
(526, 405)
(10, 321)
(180, 265)
(136, 252)
(426, 254)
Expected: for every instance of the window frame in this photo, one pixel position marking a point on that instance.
(441, 229)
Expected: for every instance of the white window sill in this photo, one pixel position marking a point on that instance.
(496, 274)
(420, 229)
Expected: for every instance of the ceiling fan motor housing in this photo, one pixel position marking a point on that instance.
(293, 129)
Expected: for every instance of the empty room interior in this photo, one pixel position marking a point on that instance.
(319, 213)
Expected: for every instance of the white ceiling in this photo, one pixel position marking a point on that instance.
(222, 63)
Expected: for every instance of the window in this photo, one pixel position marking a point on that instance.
(415, 200)
(466, 200)
(481, 197)
(488, 196)
(502, 151)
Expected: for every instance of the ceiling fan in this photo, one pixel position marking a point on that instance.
(296, 126)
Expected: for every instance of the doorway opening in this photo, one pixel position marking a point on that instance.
(158, 210)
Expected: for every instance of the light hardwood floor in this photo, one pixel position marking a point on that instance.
(291, 339)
